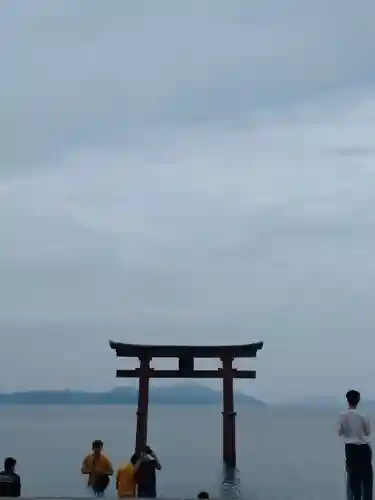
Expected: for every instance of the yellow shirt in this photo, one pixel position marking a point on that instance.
(125, 481)
(94, 466)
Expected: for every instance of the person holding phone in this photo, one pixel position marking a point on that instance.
(146, 474)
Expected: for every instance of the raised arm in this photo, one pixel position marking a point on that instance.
(138, 463)
(157, 463)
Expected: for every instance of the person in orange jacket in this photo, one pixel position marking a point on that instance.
(98, 467)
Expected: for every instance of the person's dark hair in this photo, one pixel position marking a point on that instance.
(353, 398)
(9, 463)
(98, 443)
(134, 459)
(203, 495)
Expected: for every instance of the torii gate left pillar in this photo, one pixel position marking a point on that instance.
(186, 356)
(143, 399)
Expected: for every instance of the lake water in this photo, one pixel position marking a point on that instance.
(282, 454)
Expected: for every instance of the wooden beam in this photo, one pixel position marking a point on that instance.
(229, 415)
(192, 351)
(142, 412)
(135, 373)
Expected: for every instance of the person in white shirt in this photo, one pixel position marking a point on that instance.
(355, 429)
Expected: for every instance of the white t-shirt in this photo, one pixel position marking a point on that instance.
(354, 427)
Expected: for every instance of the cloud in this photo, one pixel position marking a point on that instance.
(198, 174)
(74, 76)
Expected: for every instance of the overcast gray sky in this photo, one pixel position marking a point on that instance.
(198, 171)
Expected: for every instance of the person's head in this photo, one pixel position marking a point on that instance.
(134, 459)
(97, 446)
(9, 464)
(353, 398)
(203, 495)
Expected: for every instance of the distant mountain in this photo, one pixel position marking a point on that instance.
(315, 402)
(174, 395)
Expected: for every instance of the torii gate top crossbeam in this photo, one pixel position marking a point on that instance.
(177, 351)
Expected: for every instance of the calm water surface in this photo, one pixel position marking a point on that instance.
(282, 454)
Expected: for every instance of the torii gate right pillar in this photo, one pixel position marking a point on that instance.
(229, 415)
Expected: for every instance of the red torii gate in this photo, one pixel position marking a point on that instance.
(186, 356)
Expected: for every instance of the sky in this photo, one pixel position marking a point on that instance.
(188, 172)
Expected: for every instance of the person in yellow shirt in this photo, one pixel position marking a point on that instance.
(126, 478)
(98, 467)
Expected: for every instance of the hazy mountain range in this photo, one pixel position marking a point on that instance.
(176, 394)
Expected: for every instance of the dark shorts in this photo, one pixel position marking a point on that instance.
(358, 457)
(100, 485)
(146, 492)
(360, 473)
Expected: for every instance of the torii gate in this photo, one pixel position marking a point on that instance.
(186, 356)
